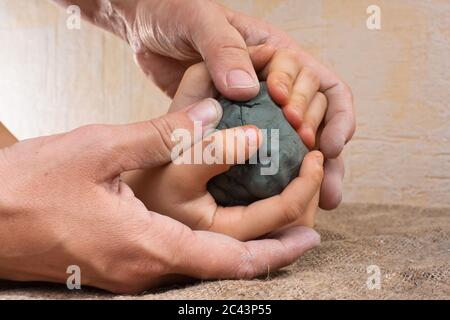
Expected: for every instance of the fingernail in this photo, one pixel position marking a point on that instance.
(208, 111)
(240, 79)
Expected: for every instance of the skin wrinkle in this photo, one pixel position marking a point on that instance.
(246, 269)
(250, 35)
(108, 16)
(207, 222)
(153, 35)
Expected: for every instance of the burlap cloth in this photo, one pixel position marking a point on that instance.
(411, 246)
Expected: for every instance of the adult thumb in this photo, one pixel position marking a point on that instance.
(152, 143)
(227, 58)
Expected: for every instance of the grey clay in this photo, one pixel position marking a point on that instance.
(244, 184)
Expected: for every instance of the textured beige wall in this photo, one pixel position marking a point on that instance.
(53, 79)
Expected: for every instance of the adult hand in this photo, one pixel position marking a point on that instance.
(62, 203)
(169, 36)
(172, 34)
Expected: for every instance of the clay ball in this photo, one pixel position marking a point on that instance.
(244, 184)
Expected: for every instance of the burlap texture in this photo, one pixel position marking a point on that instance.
(411, 246)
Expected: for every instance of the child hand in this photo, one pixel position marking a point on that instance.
(180, 191)
(292, 86)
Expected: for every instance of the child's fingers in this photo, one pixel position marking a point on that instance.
(216, 154)
(281, 73)
(261, 56)
(312, 119)
(270, 214)
(195, 85)
(303, 91)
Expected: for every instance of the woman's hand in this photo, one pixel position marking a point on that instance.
(62, 203)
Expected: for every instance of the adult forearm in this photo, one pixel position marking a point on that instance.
(116, 16)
